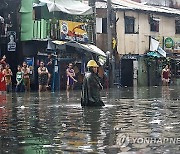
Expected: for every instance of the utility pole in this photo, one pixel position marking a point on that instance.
(92, 3)
(109, 39)
(109, 30)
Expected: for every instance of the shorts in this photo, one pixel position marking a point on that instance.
(165, 80)
(43, 79)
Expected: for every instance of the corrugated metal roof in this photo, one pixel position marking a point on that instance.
(131, 5)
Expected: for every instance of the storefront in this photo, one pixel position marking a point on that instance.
(78, 54)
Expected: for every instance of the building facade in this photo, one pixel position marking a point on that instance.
(134, 25)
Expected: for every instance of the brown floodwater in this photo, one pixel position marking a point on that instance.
(139, 120)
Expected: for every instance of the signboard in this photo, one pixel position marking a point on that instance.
(11, 46)
(168, 42)
(30, 61)
(172, 44)
(129, 56)
(74, 31)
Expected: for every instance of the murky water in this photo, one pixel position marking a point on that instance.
(134, 121)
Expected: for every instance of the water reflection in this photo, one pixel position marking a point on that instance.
(56, 123)
(165, 93)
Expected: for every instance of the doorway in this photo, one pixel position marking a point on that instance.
(127, 72)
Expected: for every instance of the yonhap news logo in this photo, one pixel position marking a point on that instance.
(124, 139)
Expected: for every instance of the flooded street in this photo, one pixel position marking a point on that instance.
(134, 121)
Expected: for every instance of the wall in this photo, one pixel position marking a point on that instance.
(101, 39)
(133, 43)
(138, 43)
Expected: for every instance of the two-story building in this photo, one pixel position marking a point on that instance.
(60, 28)
(133, 25)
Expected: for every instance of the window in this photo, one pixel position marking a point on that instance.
(177, 26)
(129, 25)
(101, 25)
(154, 24)
(104, 25)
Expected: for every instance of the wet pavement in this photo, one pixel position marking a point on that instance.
(134, 121)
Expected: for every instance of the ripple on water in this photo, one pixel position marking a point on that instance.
(52, 123)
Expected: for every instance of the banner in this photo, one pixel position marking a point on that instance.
(74, 31)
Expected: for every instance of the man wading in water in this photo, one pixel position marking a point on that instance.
(91, 86)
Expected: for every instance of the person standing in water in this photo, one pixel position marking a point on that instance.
(20, 81)
(8, 74)
(165, 75)
(2, 79)
(91, 86)
(26, 76)
(70, 77)
(43, 77)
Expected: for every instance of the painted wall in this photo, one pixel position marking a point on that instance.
(138, 43)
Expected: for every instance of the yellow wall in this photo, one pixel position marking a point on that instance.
(139, 43)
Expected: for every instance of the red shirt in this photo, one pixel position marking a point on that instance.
(166, 74)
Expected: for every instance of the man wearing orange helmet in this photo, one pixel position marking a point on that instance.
(91, 86)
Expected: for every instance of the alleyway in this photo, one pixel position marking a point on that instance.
(135, 120)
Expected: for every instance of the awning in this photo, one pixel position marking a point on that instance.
(68, 6)
(94, 49)
(80, 46)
